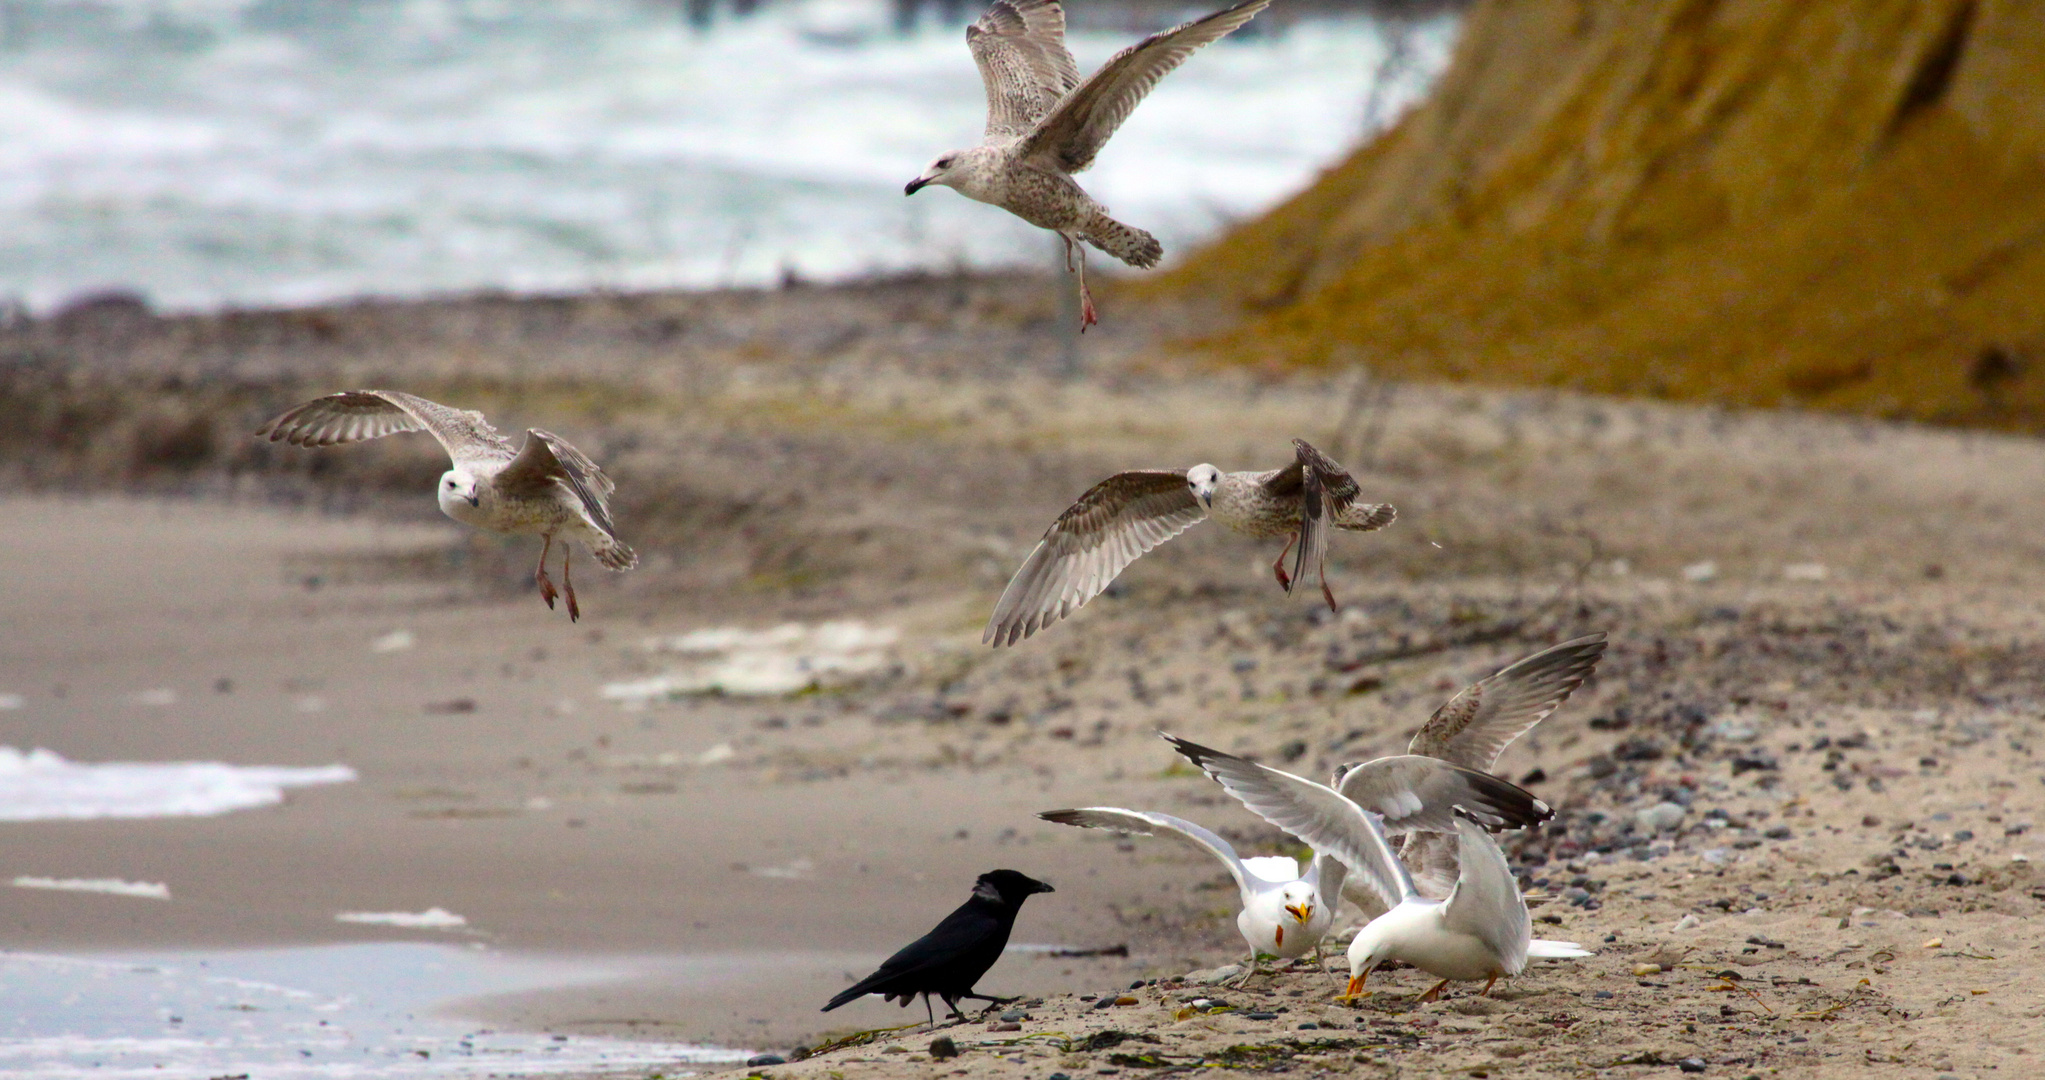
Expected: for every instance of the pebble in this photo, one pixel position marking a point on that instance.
(1260, 1016)
(1004, 1025)
(1015, 1015)
(1644, 970)
(1601, 995)
(943, 1047)
(1661, 817)
(1691, 1065)
(759, 1060)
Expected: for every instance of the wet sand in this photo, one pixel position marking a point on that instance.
(1860, 664)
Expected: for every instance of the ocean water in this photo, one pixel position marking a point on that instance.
(364, 1011)
(265, 152)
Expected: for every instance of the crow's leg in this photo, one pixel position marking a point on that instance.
(927, 1011)
(546, 583)
(986, 997)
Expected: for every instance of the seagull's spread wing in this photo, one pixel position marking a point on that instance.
(355, 415)
(1486, 902)
(1485, 718)
(1081, 124)
(548, 461)
(1419, 794)
(1117, 520)
(1148, 823)
(1020, 48)
(1327, 875)
(1315, 813)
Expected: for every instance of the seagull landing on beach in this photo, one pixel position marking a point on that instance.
(949, 959)
(1285, 914)
(1130, 513)
(546, 487)
(1044, 124)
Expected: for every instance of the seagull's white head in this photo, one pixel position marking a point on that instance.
(1297, 900)
(461, 494)
(1204, 479)
(960, 170)
(1371, 947)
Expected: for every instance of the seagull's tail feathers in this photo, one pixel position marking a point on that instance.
(613, 555)
(1125, 242)
(1543, 949)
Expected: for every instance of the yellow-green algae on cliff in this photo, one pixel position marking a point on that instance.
(1837, 203)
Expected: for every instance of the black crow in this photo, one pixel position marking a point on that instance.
(948, 960)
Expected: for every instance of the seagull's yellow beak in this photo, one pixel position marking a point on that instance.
(1356, 986)
(1302, 912)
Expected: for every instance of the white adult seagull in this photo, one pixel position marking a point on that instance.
(546, 487)
(1481, 931)
(1044, 124)
(1285, 913)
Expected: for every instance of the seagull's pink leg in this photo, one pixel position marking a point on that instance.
(1284, 579)
(546, 583)
(567, 586)
(1086, 296)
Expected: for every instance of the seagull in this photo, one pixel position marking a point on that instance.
(1044, 124)
(1475, 726)
(949, 959)
(546, 486)
(1480, 932)
(1130, 513)
(1285, 914)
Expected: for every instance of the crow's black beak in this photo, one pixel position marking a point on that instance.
(1045, 886)
(915, 186)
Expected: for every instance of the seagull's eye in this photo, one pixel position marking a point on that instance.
(944, 163)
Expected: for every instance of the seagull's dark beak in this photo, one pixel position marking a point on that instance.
(474, 500)
(916, 185)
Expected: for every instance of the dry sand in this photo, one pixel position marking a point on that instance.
(1849, 707)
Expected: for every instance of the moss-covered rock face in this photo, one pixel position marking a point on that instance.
(1838, 203)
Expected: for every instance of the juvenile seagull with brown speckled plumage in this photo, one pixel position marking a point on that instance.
(1044, 124)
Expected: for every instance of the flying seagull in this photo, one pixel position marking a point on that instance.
(949, 959)
(1474, 727)
(1044, 124)
(1480, 932)
(545, 487)
(1130, 513)
(1284, 913)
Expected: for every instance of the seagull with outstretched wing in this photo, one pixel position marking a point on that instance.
(545, 487)
(1129, 513)
(1044, 124)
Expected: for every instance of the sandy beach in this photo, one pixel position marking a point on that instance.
(1826, 647)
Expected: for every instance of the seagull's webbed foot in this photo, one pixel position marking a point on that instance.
(1278, 567)
(1434, 992)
